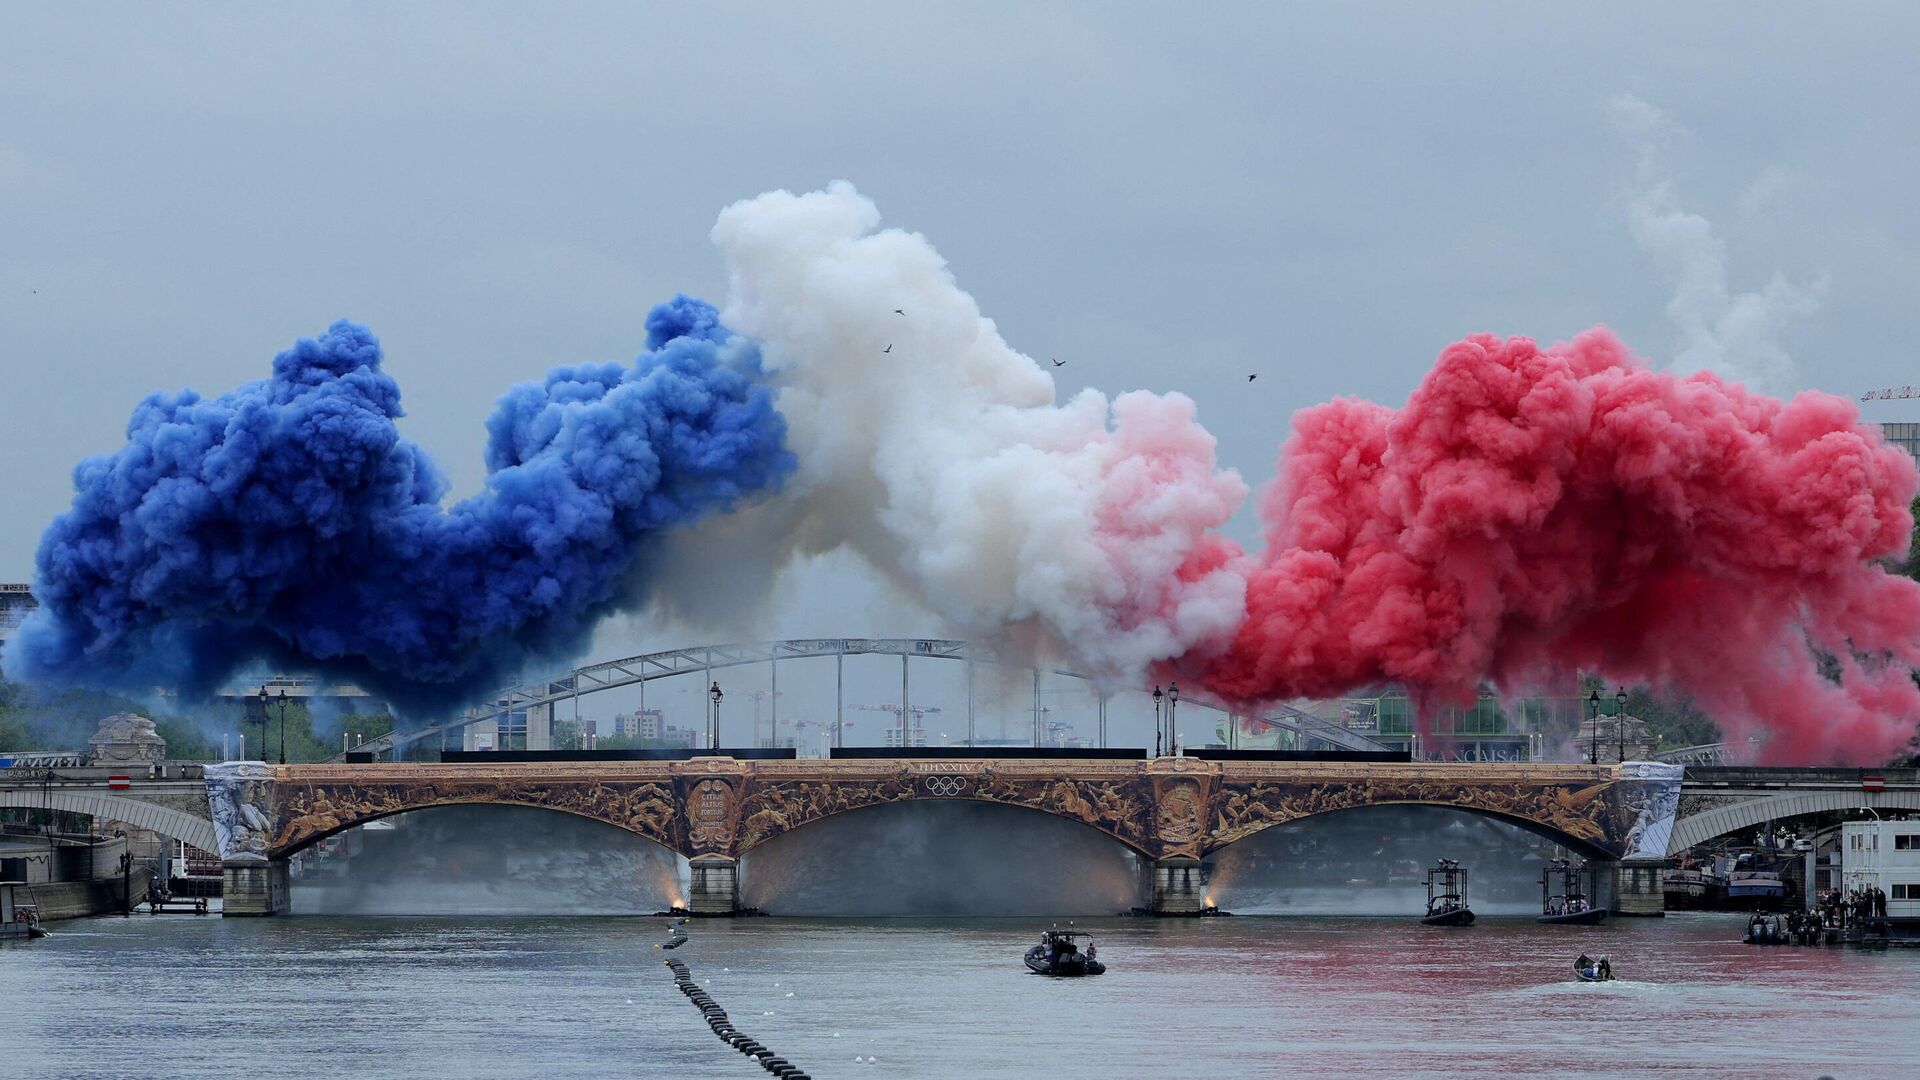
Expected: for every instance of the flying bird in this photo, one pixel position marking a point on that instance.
(897, 311)
(888, 349)
(1059, 363)
(1250, 378)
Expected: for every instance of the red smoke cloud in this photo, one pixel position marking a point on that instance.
(1535, 512)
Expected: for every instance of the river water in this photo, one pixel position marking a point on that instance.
(475, 997)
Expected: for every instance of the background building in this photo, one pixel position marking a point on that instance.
(1904, 435)
(1883, 855)
(15, 601)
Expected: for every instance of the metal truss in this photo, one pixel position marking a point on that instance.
(642, 669)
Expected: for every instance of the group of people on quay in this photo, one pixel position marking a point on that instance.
(1834, 912)
(1857, 906)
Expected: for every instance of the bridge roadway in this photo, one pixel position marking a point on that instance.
(1172, 811)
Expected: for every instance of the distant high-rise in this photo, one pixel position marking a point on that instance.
(1904, 435)
(916, 736)
(16, 600)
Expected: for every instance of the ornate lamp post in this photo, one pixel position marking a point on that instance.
(1620, 722)
(256, 713)
(1593, 718)
(713, 728)
(1157, 730)
(1173, 726)
(283, 726)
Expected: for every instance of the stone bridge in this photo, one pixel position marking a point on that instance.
(1172, 811)
(174, 808)
(1720, 800)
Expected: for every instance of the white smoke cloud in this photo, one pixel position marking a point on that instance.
(1734, 334)
(936, 452)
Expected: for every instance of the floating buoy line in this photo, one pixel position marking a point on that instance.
(716, 1017)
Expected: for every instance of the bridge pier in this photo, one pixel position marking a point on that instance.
(1179, 887)
(255, 888)
(1637, 887)
(714, 888)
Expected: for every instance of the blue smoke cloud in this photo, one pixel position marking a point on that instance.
(288, 523)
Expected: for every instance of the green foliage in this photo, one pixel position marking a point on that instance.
(1911, 567)
(65, 720)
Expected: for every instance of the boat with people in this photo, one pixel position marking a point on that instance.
(1564, 894)
(19, 918)
(1765, 930)
(1060, 954)
(1593, 969)
(1447, 895)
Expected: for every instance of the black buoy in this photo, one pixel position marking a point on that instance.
(722, 1027)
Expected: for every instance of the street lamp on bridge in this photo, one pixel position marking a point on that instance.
(1593, 737)
(1158, 730)
(1620, 722)
(713, 726)
(1173, 726)
(256, 713)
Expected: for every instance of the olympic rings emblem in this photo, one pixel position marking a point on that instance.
(946, 785)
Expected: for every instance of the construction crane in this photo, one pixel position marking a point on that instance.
(920, 712)
(758, 696)
(1891, 393)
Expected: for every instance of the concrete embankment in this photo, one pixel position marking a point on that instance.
(78, 899)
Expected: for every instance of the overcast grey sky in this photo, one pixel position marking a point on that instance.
(1168, 196)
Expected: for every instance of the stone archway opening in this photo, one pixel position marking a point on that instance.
(485, 859)
(1372, 860)
(943, 858)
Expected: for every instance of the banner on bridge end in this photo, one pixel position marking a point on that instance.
(237, 800)
(1651, 792)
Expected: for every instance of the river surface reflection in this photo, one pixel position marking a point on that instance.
(310, 996)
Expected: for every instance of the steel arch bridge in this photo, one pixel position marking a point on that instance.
(647, 667)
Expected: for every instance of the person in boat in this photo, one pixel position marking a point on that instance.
(1606, 968)
(1585, 964)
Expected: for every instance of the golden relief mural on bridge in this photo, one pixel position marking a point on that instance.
(303, 813)
(1165, 807)
(1118, 807)
(1581, 811)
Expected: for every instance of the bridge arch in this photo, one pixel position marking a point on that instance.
(1582, 846)
(944, 856)
(164, 820)
(1696, 829)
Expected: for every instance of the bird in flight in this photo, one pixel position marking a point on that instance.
(888, 349)
(1058, 363)
(897, 311)
(1250, 378)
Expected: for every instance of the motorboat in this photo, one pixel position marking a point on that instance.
(1765, 930)
(19, 919)
(1564, 896)
(1591, 969)
(1447, 895)
(1060, 953)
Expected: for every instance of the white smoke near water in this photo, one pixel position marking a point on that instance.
(937, 453)
(1733, 334)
